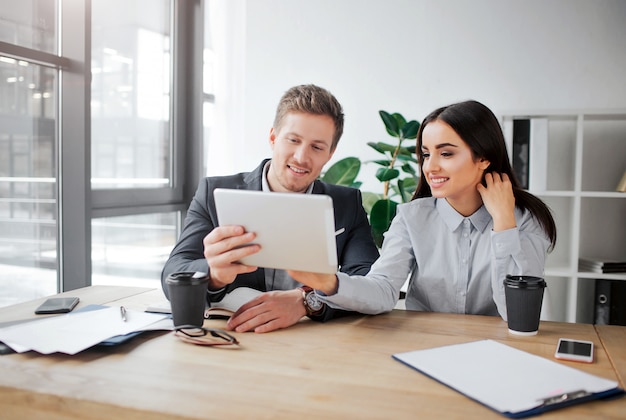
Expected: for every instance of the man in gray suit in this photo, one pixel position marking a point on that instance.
(306, 130)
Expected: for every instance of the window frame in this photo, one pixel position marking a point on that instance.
(77, 203)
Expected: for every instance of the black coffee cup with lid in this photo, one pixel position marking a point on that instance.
(524, 297)
(187, 293)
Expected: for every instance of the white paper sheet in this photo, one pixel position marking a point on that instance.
(74, 332)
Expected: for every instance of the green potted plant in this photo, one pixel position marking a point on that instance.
(398, 159)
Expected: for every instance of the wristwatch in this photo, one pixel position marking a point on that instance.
(311, 300)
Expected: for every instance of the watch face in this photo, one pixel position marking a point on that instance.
(313, 302)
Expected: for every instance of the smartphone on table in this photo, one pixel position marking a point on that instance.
(57, 305)
(574, 350)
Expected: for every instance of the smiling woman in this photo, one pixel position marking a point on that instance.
(474, 131)
(468, 226)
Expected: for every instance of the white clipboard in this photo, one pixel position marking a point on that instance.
(510, 381)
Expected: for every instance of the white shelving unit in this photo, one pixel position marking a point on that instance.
(586, 158)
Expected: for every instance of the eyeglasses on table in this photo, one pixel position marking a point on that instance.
(205, 336)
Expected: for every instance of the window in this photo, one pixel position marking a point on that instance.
(28, 149)
(131, 137)
(131, 141)
(99, 121)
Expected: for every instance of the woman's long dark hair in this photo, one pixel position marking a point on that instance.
(480, 129)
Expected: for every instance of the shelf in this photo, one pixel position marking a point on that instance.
(573, 161)
(600, 194)
(549, 193)
(604, 276)
(589, 194)
(565, 272)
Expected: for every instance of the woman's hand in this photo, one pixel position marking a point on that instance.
(499, 200)
(326, 283)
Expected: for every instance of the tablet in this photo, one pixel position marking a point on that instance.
(296, 231)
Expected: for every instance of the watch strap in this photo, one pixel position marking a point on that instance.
(309, 311)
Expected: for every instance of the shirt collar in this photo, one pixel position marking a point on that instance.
(480, 219)
(266, 186)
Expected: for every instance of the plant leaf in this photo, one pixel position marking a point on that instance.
(400, 120)
(409, 130)
(409, 169)
(386, 174)
(383, 211)
(369, 199)
(391, 124)
(406, 159)
(343, 172)
(385, 163)
(403, 193)
(376, 147)
(410, 183)
(383, 147)
(356, 185)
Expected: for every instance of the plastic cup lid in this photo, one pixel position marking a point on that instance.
(188, 277)
(524, 282)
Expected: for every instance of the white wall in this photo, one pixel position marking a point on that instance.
(411, 56)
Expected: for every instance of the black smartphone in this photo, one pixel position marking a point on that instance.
(57, 305)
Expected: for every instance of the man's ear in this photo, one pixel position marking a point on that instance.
(272, 137)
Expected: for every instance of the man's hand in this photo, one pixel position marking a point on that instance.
(268, 312)
(222, 249)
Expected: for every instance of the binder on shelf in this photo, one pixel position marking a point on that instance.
(530, 152)
(520, 153)
(509, 381)
(538, 155)
(610, 302)
(602, 305)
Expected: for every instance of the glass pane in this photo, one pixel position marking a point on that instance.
(28, 198)
(132, 250)
(208, 72)
(29, 23)
(130, 94)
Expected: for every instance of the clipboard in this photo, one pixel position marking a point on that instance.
(509, 381)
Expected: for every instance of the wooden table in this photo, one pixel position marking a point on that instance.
(341, 369)
(613, 339)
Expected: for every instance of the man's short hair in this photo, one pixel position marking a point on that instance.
(311, 99)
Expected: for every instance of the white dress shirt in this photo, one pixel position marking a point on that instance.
(454, 263)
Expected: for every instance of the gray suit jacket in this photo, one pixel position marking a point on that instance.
(356, 250)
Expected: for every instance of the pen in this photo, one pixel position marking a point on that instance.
(123, 313)
(340, 231)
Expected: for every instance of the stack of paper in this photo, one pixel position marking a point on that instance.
(79, 330)
(602, 265)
